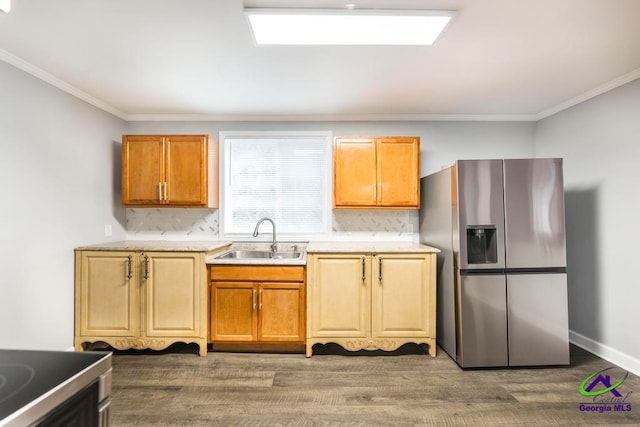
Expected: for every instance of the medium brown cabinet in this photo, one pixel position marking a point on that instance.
(377, 172)
(371, 300)
(140, 299)
(257, 304)
(168, 170)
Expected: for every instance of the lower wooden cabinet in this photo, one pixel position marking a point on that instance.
(140, 299)
(257, 304)
(371, 301)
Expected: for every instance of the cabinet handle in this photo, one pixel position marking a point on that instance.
(374, 193)
(363, 269)
(380, 192)
(380, 269)
(260, 299)
(160, 191)
(129, 267)
(146, 267)
(254, 299)
(165, 191)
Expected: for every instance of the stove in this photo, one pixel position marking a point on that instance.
(38, 385)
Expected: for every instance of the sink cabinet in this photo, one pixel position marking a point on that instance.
(377, 172)
(169, 170)
(371, 301)
(140, 299)
(257, 304)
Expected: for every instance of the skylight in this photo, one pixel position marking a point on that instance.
(346, 27)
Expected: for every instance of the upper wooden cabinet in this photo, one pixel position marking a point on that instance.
(169, 170)
(380, 172)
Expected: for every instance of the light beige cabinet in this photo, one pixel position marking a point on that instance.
(376, 172)
(371, 300)
(140, 299)
(257, 304)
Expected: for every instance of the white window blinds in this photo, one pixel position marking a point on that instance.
(283, 177)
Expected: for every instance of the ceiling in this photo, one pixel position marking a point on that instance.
(195, 59)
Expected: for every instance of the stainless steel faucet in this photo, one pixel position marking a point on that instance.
(274, 246)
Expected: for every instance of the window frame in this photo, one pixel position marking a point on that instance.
(265, 234)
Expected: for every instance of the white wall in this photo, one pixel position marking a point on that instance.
(59, 174)
(600, 143)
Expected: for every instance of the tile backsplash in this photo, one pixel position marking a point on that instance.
(149, 223)
(399, 222)
(187, 222)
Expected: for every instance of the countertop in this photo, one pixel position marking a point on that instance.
(351, 247)
(311, 247)
(158, 245)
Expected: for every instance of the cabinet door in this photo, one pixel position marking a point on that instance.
(234, 314)
(142, 169)
(107, 294)
(402, 296)
(174, 293)
(399, 172)
(281, 308)
(339, 295)
(186, 170)
(354, 172)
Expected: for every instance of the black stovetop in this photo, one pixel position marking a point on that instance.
(25, 375)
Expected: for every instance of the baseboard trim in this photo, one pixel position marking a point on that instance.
(612, 355)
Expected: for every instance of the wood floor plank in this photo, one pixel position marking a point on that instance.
(179, 388)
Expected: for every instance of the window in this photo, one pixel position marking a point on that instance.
(284, 176)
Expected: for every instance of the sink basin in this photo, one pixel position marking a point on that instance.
(259, 255)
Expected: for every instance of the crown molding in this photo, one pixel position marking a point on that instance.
(327, 117)
(599, 90)
(60, 84)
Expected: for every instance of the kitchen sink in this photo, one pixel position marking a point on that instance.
(259, 255)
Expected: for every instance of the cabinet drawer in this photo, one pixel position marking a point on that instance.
(258, 273)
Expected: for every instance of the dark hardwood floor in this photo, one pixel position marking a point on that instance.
(179, 388)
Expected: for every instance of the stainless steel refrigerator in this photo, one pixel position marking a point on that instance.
(502, 285)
